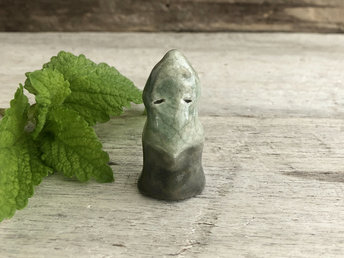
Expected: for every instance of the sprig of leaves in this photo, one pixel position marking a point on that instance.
(72, 93)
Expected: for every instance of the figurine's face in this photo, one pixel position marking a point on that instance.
(171, 94)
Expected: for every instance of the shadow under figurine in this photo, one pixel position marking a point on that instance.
(173, 136)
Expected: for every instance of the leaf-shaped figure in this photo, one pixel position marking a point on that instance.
(20, 167)
(98, 90)
(72, 147)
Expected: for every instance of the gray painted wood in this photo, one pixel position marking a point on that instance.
(272, 110)
(176, 15)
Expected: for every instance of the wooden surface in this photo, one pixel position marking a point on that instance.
(176, 15)
(272, 108)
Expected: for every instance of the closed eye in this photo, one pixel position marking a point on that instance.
(187, 100)
(159, 101)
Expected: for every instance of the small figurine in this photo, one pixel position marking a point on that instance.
(173, 135)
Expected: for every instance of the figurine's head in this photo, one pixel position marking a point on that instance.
(170, 97)
(172, 90)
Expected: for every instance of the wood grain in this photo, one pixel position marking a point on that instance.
(272, 110)
(177, 15)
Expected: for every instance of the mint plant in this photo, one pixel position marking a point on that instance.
(72, 93)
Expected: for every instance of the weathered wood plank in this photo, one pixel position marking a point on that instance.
(178, 15)
(273, 157)
(267, 75)
(255, 203)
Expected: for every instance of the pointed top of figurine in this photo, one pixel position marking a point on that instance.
(172, 71)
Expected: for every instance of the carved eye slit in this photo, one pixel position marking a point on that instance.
(159, 101)
(188, 100)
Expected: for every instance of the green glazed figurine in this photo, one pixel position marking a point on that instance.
(173, 136)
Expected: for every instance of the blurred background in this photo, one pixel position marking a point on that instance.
(324, 16)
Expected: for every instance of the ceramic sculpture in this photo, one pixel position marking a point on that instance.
(173, 136)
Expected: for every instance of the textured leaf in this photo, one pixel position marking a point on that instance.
(98, 91)
(72, 147)
(50, 89)
(9, 185)
(14, 121)
(31, 170)
(20, 167)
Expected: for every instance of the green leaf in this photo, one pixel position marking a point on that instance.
(50, 89)
(20, 166)
(31, 170)
(14, 121)
(9, 185)
(98, 91)
(72, 147)
(71, 93)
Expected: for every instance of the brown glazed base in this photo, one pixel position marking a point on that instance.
(166, 178)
